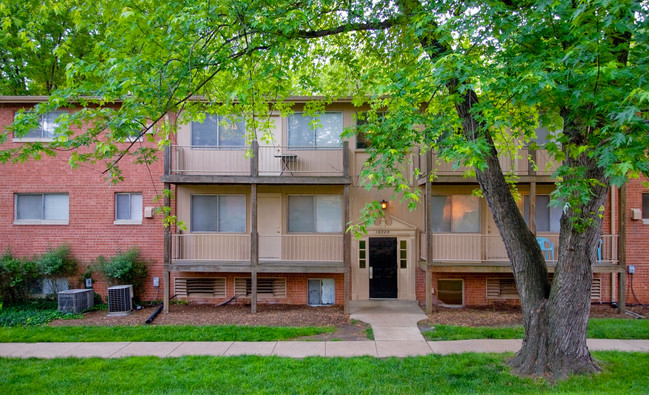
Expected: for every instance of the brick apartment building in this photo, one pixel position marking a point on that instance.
(270, 228)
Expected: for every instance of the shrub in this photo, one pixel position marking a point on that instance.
(123, 268)
(17, 276)
(57, 262)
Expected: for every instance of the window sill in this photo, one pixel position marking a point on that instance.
(127, 222)
(645, 221)
(32, 140)
(40, 222)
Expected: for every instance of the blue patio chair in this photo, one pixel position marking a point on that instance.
(599, 251)
(547, 248)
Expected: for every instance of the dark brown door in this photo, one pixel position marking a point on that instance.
(383, 267)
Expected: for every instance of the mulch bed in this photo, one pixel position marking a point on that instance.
(294, 315)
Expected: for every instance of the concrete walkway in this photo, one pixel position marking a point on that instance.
(293, 349)
(395, 332)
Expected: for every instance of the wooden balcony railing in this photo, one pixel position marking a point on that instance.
(210, 247)
(262, 161)
(450, 248)
(285, 160)
(519, 166)
(321, 247)
(230, 247)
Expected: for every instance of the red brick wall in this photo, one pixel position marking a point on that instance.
(296, 287)
(637, 249)
(91, 231)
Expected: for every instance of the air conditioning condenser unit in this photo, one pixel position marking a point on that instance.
(120, 300)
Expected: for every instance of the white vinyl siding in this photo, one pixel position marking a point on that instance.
(315, 214)
(42, 208)
(218, 213)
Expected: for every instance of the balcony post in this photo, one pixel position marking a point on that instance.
(345, 158)
(532, 172)
(254, 160)
(347, 246)
(254, 248)
(621, 248)
(167, 248)
(429, 235)
(167, 160)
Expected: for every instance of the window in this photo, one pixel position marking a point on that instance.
(315, 214)
(362, 140)
(42, 208)
(217, 131)
(645, 206)
(403, 254)
(362, 254)
(450, 292)
(218, 213)
(455, 213)
(128, 208)
(315, 132)
(46, 126)
(547, 218)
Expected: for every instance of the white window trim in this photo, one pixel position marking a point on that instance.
(37, 139)
(40, 221)
(127, 221)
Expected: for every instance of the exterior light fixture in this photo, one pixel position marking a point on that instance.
(384, 204)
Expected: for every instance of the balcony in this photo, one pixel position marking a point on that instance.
(519, 166)
(261, 164)
(229, 252)
(477, 250)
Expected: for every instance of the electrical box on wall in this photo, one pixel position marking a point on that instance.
(148, 212)
(631, 269)
(636, 214)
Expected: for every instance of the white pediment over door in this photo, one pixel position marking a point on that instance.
(391, 225)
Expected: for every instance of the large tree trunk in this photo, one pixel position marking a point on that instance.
(556, 317)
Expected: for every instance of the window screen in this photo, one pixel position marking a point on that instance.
(216, 131)
(315, 132)
(455, 213)
(547, 218)
(315, 214)
(218, 213)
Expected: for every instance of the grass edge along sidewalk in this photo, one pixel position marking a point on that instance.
(598, 328)
(484, 373)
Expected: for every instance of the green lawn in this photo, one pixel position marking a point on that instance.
(484, 373)
(598, 328)
(158, 333)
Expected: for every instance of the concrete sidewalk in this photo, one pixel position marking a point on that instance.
(293, 349)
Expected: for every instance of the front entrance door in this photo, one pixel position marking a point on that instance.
(269, 209)
(383, 267)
